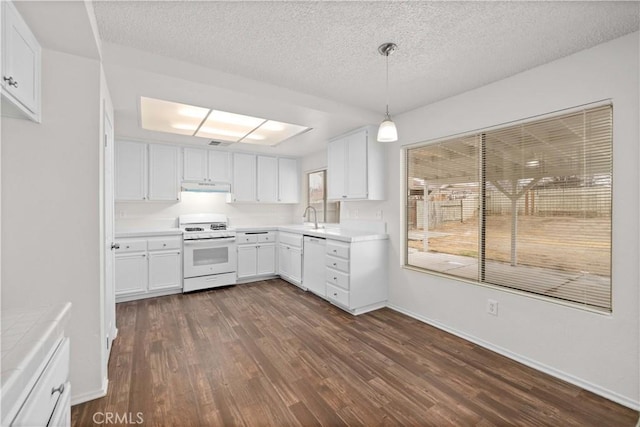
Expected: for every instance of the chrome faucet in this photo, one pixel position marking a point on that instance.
(315, 215)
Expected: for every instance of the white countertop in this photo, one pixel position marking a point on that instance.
(147, 232)
(331, 232)
(335, 233)
(29, 338)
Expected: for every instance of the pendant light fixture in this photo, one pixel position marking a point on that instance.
(387, 131)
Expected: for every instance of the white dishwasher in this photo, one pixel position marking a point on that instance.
(313, 272)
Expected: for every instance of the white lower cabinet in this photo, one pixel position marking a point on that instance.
(50, 397)
(146, 267)
(256, 254)
(290, 257)
(356, 274)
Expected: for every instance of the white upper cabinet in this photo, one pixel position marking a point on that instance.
(195, 164)
(219, 166)
(267, 185)
(244, 177)
(355, 168)
(288, 181)
(336, 169)
(202, 165)
(164, 170)
(20, 66)
(131, 171)
(147, 172)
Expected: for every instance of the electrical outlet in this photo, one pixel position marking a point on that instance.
(354, 214)
(492, 307)
(379, 214)
(122, 214)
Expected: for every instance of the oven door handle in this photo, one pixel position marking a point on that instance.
(202, 242)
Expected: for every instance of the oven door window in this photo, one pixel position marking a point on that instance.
(210, 256)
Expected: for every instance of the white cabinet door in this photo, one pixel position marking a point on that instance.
(356, 166)
(266, 263)
(244, 177)
(194, 164)
(131, 164)
(336, 170)
(284, 260)
(267, 179)
(247, 261)
(295, 257)
(164, 172)
(288, 181)
(220, 166)
(20, 61)
(131, 273)
(164, 270)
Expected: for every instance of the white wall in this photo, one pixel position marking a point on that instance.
(131, 215)
(597, 351)
(50, 208)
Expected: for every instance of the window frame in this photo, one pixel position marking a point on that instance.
(325, 201)
(480, 133)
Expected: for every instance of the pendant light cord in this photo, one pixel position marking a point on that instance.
(387, 55)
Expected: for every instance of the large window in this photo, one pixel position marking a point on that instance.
(328, 212)
(526, 207)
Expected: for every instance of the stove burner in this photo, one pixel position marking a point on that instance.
(194, 229)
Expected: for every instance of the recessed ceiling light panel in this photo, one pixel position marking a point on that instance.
(172, 117)
(183, 119)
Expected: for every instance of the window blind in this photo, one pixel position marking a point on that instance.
(525, 206)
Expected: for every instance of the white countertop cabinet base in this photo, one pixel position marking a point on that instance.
(356, 274)
(256, 255)
(148, 266)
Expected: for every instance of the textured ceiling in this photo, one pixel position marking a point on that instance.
(329, 49)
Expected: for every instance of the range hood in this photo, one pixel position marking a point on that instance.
(206, 187)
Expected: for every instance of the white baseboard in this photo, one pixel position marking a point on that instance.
(594, 388)
(91, 395)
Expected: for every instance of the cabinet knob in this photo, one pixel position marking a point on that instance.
(127, 246)
(59, 389)
(115, 246)
(11, 82)
(334, 264)
(335, 278)
(164, 244)
(335, 294)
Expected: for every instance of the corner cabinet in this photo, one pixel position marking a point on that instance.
(355, 167)
(21, 56)
(146, 172)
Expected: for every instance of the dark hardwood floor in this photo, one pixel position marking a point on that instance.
(269, 354)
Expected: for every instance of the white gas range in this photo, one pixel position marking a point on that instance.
(210, 257)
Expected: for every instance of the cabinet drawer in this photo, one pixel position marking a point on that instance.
(41, 402)
(338, 278)
(291, 239)
(338, 249)
(244, 238)
(266, 237)
(164, 243)
(338, 295)
(132, 246)
(337, 263)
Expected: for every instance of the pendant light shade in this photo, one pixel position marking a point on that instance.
(387, 132)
